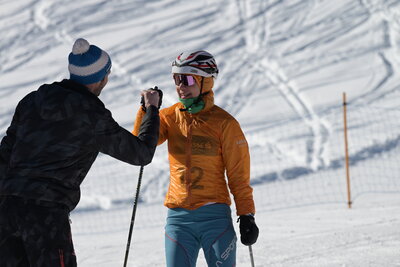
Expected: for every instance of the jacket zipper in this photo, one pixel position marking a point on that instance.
(188, 177)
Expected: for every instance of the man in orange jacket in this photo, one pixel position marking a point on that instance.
(204, 143)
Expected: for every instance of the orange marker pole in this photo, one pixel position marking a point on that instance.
(346, 146)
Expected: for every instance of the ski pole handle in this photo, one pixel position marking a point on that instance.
(160, 95)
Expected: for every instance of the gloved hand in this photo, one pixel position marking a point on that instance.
(248, 230)
(160, 94)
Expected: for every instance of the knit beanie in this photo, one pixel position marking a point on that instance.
(88, 63)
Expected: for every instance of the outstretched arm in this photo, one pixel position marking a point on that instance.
(117, 142)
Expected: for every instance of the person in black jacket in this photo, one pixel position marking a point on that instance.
(54, 137)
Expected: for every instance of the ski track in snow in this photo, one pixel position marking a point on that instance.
(251, 39)
(252, 34)
(318, 128)
(283, 51)
(257, 41)
(389, 14)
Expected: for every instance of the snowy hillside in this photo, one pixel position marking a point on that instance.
(284, 65)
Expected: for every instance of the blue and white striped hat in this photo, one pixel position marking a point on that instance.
(88, 63)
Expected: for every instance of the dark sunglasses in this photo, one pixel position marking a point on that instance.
(187, 80)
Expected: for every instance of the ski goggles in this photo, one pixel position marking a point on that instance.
(187, 80)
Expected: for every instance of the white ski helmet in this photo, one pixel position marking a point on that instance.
(199, 63)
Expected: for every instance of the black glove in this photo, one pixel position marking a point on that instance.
(248, 230)
(160, 94)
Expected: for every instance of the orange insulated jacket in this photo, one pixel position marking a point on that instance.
(202, 148)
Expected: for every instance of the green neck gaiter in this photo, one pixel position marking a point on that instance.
(191, 106)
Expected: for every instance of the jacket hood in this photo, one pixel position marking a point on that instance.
(206, 83)
(208, 99)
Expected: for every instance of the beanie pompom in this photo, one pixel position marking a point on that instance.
(80, 46)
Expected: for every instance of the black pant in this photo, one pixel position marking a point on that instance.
(34, 234)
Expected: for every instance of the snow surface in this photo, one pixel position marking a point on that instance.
(284, 65)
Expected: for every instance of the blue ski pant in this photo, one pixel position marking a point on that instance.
(209, 227)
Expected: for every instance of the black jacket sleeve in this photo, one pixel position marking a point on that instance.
(119, 143)
(7, 144)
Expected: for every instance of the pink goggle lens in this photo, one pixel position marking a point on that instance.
(187, 80)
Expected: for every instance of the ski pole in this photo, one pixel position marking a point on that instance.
(133, 215)
(251, 256)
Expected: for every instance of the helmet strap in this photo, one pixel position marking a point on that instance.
(198, 99)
